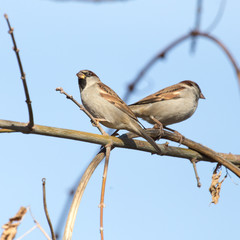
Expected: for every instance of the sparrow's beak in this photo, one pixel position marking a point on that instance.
(201, 96)
(80, 75)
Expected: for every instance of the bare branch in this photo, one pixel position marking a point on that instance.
(59, 89)
(162, 54)
(193, 161)
(46, 210)
(121, 142)
(224, 48)
(39, 226)
(23, 75)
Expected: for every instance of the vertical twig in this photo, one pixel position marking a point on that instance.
(218, 16)
(104, 179)
(131, 86)
(23, 76)
(46, 210)
(197, 24)
(193, 161)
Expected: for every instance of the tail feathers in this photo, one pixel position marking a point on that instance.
(150, 140)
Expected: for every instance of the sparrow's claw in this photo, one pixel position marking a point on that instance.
(93, 123)
(158, 125)
(97, 120)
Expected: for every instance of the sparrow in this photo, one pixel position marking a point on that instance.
(107, 107)
(170, 105)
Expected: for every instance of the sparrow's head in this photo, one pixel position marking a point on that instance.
(194, 86)
(86, 77)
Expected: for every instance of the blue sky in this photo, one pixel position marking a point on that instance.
(147, 197)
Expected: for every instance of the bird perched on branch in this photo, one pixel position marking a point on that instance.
(170, 105)
(107, 107)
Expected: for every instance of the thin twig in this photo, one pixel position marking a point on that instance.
(39, 226)
(197, 23)
(131, 87)
(218, 17)
(223, 47)
(193, 161)
(23, 75)
(26, 233)
(59, 89)
(104, 179)
(46, 210)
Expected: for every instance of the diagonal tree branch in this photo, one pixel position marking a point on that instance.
(201, 149)
(162, 54)
(23, 76)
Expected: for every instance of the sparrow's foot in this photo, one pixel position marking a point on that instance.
(158, 125)
(95, 123)
(181, 137)
(97, 120)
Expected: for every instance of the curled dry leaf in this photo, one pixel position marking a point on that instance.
(215, 187)
(10, 228)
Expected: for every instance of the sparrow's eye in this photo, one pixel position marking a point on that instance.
(88, 74)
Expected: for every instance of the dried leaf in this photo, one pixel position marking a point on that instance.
(18, 217)
(9, 234)
(10, 228)
(215, 187)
